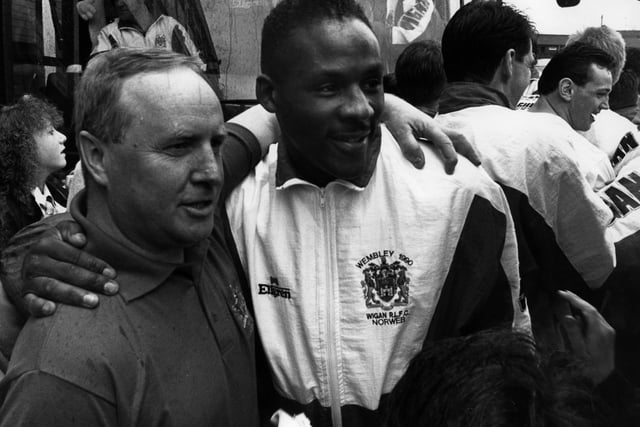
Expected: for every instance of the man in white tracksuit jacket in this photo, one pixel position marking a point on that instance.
(354, 259)
(560, 221)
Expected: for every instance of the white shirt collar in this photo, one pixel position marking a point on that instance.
(46, 202)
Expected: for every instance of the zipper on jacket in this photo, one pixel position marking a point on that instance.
(332, 365)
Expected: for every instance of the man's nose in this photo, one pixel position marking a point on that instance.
(357, 104)
(207, 168)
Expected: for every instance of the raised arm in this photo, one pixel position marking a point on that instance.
(262, 124)
(93, 12)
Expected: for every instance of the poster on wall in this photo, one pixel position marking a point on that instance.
(236, 25)
(408, 19)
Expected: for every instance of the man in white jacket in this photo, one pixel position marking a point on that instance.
(560, 221)
(614, 134)
(574, 88)
(353, 258)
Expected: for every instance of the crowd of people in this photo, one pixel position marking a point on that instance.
(308, 261)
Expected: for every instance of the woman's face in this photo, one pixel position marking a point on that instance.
(50, 146)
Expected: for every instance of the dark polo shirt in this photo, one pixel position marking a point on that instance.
(174, 348)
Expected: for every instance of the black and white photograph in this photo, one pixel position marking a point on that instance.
(320, 213)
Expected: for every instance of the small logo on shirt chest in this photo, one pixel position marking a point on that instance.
(274, 289)
(161, 41)
(385, 285)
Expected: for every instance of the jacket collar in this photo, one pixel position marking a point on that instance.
(128, 24)
(461, 95)
(286, 173)
(137, 273)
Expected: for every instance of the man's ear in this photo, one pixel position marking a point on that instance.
(93, 156)
(506, 65)
(565, 89)
(266, 92)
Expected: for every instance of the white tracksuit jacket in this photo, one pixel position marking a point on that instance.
(348, 282)
(559, 213)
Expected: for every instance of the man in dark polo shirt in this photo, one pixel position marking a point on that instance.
(175, 347)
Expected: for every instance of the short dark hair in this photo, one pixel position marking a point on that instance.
(489, 379)
(97, 108)
(574, 62)
(625, 92)
(420, 73)
(607, 39)
(477, 37)
(633, 61)
(289, 15)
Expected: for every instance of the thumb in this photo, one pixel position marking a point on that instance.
(71, 232)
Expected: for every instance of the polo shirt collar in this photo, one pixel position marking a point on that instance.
(129, 25)
(460, 95)
(287, 175)
(138, 274)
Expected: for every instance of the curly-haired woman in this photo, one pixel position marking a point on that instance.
(31, 149)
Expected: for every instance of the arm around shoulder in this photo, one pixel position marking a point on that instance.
(13, 255)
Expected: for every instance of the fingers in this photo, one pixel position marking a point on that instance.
(401, 119)
(598, 335)
(462, 145)
(54, 270)
(450, 158)
(39, 307)
(427, 128)
(572, 329)
(52, 256)
(83, 270)
(411, 149)
(467, 150)
(448, 153)
(86, 12)
(72, 232)
(50, 290)
(86, 9)
(586, 310)
(408, 143)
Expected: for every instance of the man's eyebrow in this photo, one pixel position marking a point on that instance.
(174, 137)
(337, 72)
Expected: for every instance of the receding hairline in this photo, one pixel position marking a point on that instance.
(130, 99)
(143, 88)
(164, 72)
(591, 72)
